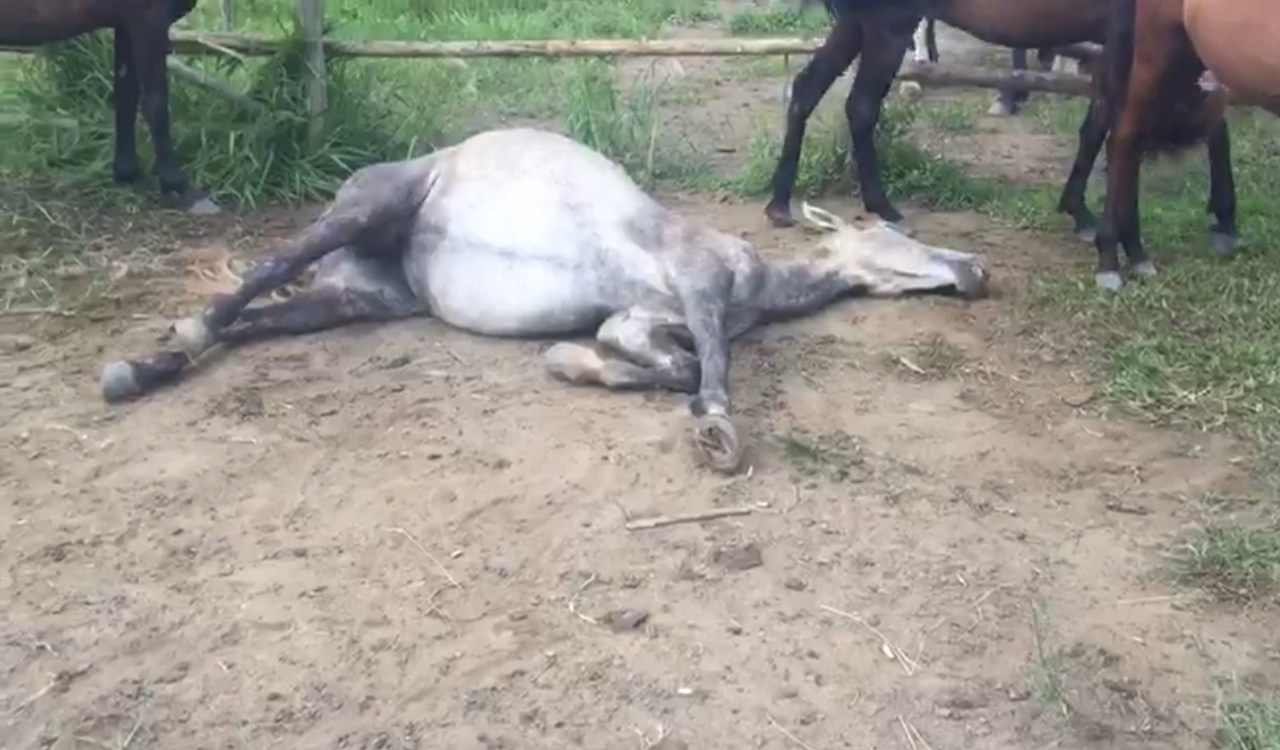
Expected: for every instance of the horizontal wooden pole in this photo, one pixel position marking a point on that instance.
(255, 45)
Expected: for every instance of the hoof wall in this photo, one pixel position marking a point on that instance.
(193, 336)
(1109, 281)
(1224, 245)
(1146, 269)
(204, 207)
(574, 363)
(118, 382)
(716, 441)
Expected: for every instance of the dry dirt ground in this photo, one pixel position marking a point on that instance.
(403, 536)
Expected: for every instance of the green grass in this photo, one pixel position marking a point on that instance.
(1235, 563)
(379, 109)
(1249, 722)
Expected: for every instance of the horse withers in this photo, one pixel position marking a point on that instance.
(526, 233)
(141, 31)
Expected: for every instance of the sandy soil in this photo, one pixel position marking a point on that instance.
(402, 536)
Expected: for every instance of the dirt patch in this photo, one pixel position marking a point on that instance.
(403, 536)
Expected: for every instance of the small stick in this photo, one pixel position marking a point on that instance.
(37, 696)
(795, 491)
(1150, 599)
(908, 665)
(910, 740)
(430, 556)
(710, 515)
(783, 731)
(573, 601)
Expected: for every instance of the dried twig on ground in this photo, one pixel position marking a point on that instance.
(710, 515)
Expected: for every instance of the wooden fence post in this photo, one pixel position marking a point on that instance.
(311, 20)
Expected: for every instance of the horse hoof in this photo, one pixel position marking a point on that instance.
(204, 207)
(911, 89)
(193, 336)
(971, 280)
(1223, 244)
(1087, 235)
(1109, 281)
(716, 441)
(780, 215)
(118, 382)
(573, 363)
(1000, 108)
(1146, 269)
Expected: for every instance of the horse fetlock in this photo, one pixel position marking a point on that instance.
(119, 382)
(193, 335)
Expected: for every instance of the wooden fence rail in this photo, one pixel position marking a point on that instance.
(255, 45)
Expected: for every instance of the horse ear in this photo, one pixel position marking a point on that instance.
(822, 218)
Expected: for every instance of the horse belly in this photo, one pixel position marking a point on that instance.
(493, 293)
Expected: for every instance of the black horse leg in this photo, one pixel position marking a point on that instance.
(125, 167)
(1093, 133)
(1222, 192)
(1008, 100)
(881, 58)
(810, 85)
(149, 35)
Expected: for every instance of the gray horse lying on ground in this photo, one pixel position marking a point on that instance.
(520, 232)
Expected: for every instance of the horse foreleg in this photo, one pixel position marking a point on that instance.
(1008, 100)
(637, 349)
(125, 167)
(810, 85)
(1093, 133)
(149, 38)
(924, 48)
(881, 59)
(309, 312)
(1222, 192)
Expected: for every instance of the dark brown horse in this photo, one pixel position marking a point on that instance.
(925, 44)
(141, 29)
(1152, 88)
(879, 31)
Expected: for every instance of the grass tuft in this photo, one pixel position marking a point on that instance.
(1249, 722)
(1239, 564)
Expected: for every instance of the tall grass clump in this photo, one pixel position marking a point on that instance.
(909, 171)
(246, 158)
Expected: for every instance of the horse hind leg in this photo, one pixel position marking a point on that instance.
(125, 168)
(636, 349)
(354, 289)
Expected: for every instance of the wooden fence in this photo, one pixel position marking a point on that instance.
(318, 48)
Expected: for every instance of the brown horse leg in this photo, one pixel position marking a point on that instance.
(1222, 192)
(1120, 217)
(125, 167)
(1093, 133)
(149, 35)
(843, 43)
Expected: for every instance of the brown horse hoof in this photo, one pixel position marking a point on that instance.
(716, 441)
(780, 216)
